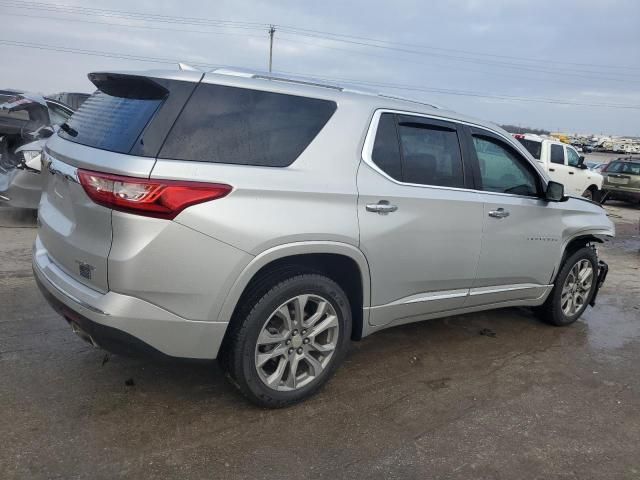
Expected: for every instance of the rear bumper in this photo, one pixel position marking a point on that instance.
(124, 324)
(20, 188)
(617, 194)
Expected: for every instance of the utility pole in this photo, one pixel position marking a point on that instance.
(272, 30)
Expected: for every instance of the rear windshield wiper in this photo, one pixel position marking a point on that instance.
(71, 131)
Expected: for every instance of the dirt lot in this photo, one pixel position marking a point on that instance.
(431, 400)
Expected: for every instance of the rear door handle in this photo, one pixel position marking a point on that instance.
(571, 173)
(552, 169)
(383, 207)
(499, 213)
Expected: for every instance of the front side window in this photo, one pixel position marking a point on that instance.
(557, 154)
(222, 124)
(572, 157)
(502, 170)
(430, 155)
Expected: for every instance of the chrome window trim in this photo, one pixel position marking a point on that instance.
(504, 288)
(459, 293)
(367, 151)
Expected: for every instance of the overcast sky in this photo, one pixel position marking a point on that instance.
(487, 47)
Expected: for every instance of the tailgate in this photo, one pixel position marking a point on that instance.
(119, 130)
(75, 231)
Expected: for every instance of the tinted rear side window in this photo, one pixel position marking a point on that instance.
(110, 122)
(386, 149)
(223, 124)
(430, 155)
(533, 147)
(557, 154)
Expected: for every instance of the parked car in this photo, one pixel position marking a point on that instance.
(595, 166)
(563, 164)
(268, 221)
(622, 180)
(26, 121)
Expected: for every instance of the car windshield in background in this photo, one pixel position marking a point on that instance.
(533, 147)
(630, 168)
(109, 122)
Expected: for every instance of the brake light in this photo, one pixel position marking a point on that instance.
(519, 136)
(151, 198)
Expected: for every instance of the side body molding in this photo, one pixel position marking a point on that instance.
(297, 248)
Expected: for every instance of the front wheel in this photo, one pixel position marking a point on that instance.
(588, 194)
(573, 289)
(290, 342)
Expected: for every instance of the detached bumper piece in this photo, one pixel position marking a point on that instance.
(603, 269)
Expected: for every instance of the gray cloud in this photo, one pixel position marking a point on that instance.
(594, 33)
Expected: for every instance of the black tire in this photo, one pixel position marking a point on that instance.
(604, 197)
(551, 311)
(237, 356)
(588, 194)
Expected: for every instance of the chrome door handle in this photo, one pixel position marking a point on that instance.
(383, 207)
(499, 213)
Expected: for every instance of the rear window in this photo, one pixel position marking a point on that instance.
(557, 154)
(629, 168)
(386, 149)
(110, 122)
(533, 147)
(233, 125)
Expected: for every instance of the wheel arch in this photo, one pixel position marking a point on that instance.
(573, 244)
(343, 263)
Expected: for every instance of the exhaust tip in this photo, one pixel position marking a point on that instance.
(81, 333)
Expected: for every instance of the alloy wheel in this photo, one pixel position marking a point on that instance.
(576, 287)
(296, 342)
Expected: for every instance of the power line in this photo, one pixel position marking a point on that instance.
(291, 40)
(299, 42)
(442, 91)
(350, 39)
(127, 25)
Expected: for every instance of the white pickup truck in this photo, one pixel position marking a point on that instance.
(564, 165)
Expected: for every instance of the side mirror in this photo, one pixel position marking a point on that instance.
(554, 191)
(581, 162)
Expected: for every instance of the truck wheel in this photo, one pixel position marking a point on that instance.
(572, 290)
(290, 342)
(588, 194)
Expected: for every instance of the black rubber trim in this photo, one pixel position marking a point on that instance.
(603, 270)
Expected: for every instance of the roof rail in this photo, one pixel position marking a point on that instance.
(313, 82)
(185, 67)
(404, 99)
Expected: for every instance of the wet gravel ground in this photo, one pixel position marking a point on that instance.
(489, 395)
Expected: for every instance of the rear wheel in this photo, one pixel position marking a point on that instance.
(291, 341)
(573, 289)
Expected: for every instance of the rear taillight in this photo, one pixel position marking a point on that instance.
(151, 198)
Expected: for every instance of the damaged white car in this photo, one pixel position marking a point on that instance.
(26, 122)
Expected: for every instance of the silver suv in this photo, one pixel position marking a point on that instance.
(268, 221)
